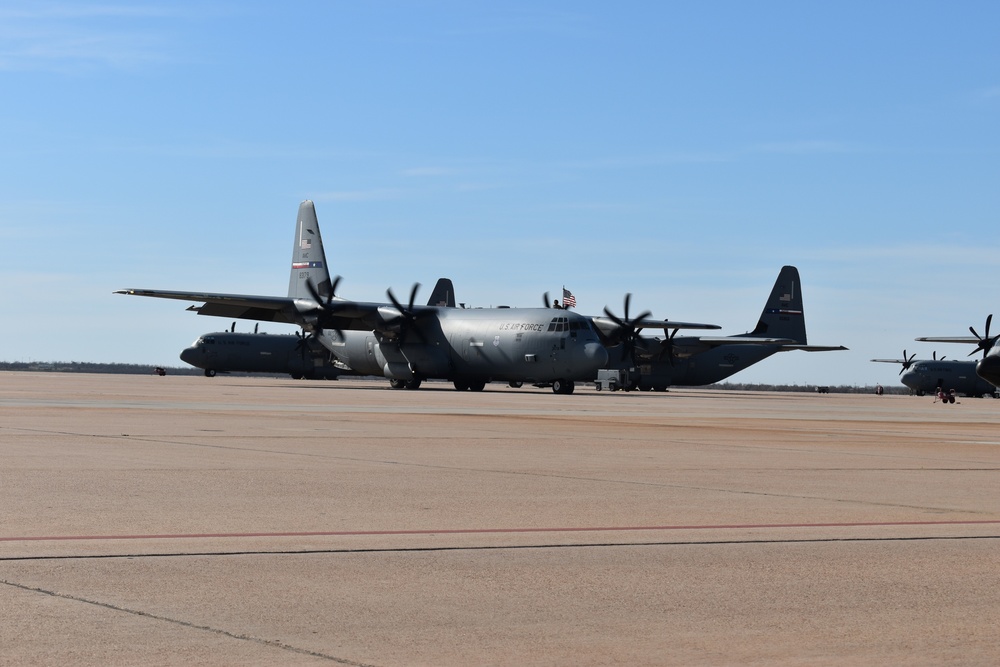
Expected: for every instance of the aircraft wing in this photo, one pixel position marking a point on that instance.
(242, 306)
(889, 361)
(949, 339)
(340, 314)
(813, 348)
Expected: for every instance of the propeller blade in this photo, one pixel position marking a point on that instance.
(317, 297)
(985, 342)
(614, 318)
(409, 320)
(628, 329)
(413, 294)
(394, 300)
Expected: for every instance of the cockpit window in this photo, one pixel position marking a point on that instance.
(559, 324)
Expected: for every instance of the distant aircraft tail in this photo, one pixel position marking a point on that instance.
(443, 294)
(308, 257)
(783, 316)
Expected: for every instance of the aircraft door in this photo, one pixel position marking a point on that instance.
(558, 352)
(472, 351)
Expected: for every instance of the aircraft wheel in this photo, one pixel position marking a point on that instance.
(514, 384)
(209, 373)
(561, 386)
(477, 385)
(461, 385)
(396, 384)
(412, 384)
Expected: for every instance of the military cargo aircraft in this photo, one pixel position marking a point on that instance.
(408, 343)
(928, 376)
(988, 368)
(237, 352)
(659, 362)
(298, 355)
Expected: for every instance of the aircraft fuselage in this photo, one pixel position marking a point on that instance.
(536, 345)
(228, 351)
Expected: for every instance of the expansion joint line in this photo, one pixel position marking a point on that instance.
(273, 643)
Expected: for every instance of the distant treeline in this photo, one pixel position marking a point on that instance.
(143, 369)
(88, 367)
(831, 389)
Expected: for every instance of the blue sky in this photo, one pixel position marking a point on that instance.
(680, 151)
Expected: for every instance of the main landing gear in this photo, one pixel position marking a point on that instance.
(404, 384)
(562, 386)
(470, 385)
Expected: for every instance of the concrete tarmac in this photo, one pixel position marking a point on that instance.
(256, 521)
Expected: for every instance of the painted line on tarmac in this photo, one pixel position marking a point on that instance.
(495, 531)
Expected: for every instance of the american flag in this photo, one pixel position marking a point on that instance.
(569, 301)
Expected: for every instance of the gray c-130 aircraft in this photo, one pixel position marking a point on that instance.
(988, 368)
(409, 343)
(929, 376)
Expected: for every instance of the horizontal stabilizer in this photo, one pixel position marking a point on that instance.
(714, 341)
(606, 324)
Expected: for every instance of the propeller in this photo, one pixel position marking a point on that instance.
(667, 345)
(326, 304)
(628, 329)
(985, 342)
(302, 344)
(907, 361)
(935, 357)
(409, 319)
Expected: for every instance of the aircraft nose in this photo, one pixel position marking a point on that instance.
(988, 368)
(911, 380)
(189, 354)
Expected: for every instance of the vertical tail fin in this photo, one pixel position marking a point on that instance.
(308, 257)
(443, 294)
(783, 316)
